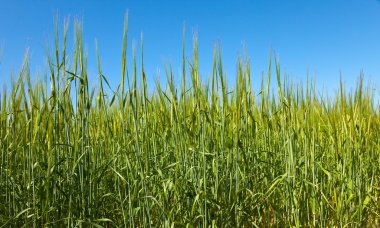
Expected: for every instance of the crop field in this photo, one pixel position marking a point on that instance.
(185, 153)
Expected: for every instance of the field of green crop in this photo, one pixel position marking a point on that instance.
(189, 154)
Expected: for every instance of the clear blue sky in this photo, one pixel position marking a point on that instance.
(327, 37)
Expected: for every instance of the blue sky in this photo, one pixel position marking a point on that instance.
(324, 38)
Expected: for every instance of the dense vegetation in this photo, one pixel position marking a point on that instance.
(184, 154)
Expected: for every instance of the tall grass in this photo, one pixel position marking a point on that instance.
(192, 153)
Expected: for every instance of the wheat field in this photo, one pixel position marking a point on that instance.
(197, 153)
